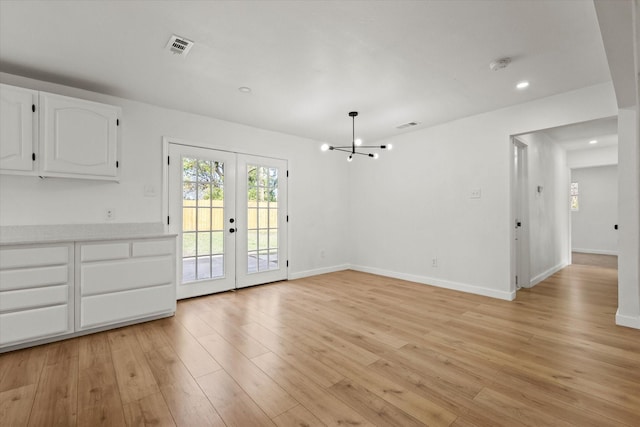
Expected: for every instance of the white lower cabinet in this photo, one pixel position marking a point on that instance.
(36, 292)
(124, 280)
(55, 291)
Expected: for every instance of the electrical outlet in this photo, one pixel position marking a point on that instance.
(434, 262)
(109, 214)
(476, 193)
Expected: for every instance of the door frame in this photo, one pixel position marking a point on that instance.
(166, 140)
(519, 187)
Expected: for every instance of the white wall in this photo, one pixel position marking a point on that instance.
(592, 228)
(548, 209)
(317, 192)
(629, 218)
(619, 23)
(413, 203)
(592, 157)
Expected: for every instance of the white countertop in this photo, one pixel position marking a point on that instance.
(24, 234)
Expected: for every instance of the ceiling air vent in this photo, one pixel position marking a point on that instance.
(179, 45)
(407, 125)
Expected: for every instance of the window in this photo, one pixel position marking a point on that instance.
(575, 205)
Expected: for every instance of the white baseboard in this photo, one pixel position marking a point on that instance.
(548, 273)
(315, 272)
(628, 321)
(595, 251)
(509, 296)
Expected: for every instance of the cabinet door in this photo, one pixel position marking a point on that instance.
(17, 124)
(78, 139)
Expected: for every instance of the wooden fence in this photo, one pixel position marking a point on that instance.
(205, 215)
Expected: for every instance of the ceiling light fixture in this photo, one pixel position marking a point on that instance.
(522, 85)
(244, 89)
(351, 149)
(593, 141)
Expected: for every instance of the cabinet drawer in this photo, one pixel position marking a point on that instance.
(116, 307)
(38, 297)
(33, 257)
(33, 277)
(123, 275)
(33, 324)
(153, 248)
(104, 252)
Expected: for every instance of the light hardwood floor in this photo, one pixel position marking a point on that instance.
(346, 349)
(608, 261)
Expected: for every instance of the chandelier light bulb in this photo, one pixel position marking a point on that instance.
(389, 146)
(356, 144)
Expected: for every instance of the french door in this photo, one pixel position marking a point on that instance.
(229, 212)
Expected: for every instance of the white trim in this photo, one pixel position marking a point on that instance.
(317, 271)
(595, 251)
(462, 287)
(628, 321)
(548, 273)
(213, 146)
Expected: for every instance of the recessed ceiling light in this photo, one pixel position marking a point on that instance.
(244, 89)
(523, 85)
(593, 141)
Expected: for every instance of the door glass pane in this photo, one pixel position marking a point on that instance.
(188, 218)
(262, 238)
(202, 219)
(217, 218)
(252, 240)
(188, 245)
(273, 260)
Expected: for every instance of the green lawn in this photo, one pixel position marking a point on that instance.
(213, 242)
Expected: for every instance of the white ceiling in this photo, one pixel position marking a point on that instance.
(577, 136)
(310, 62)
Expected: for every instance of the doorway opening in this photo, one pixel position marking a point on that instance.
(554, 158)
(229, 211)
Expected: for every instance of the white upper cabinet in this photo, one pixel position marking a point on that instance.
(78, 138)
(52, 135)
(18, 130)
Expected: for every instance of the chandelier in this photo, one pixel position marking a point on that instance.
(355, 143)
